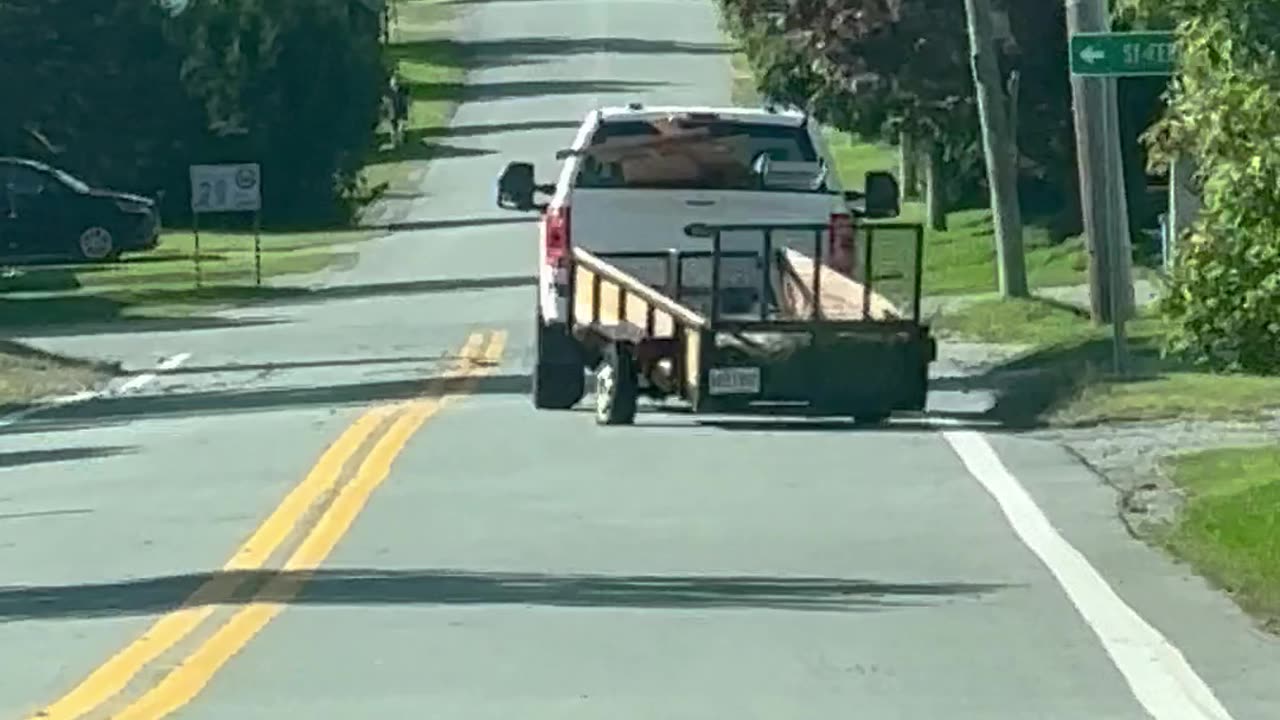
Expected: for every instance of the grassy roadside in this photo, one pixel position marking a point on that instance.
(27, 374)
(1229, 527)
(163, 282)
(434, 67)
(961, 259)
(1067, 345)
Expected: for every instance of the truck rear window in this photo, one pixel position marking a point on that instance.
(693, 155)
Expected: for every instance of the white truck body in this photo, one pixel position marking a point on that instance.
(608, 213)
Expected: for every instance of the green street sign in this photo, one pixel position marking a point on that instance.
(1122, 54)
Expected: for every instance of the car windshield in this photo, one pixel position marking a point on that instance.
(689, 154)
(71, 181)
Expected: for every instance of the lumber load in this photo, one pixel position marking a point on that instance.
(842, 296)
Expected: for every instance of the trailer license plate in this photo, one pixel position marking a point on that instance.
(734, 381)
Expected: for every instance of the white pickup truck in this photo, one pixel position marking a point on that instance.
(635, 177)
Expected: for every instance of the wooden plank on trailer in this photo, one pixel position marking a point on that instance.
(842, 296)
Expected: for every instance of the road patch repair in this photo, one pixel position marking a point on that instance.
(311, 520)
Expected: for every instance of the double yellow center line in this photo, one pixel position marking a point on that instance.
(384, 430)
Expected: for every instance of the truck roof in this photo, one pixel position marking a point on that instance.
(762, 116)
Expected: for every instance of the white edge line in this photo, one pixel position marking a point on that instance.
(1159, 676)
(132, 384)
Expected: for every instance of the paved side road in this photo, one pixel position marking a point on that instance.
(366, 518)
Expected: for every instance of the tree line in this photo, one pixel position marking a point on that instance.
(899, 71)
(129, 93)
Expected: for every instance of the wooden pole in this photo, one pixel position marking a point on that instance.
(1002, 174)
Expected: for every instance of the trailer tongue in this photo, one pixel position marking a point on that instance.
(782, 334)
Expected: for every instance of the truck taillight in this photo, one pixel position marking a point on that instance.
(842, 250)
(555, 235)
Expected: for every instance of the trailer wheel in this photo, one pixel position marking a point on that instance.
(558, 382)
(617, 387)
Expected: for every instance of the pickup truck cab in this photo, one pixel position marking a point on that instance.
(635, 177)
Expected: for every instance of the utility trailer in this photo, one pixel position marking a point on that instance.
(796, 338)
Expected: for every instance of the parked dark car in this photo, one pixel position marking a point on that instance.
(47, 214)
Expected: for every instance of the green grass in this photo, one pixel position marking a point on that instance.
(1229, 528)
(434, 66)
(27, 374)
(1016, 322)
(1172, 393)
(961, 260)
(1066, 342)
(163, 282)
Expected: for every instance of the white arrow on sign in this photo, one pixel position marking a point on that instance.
(1092, 54)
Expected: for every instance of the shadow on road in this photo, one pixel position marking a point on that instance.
(39, 514)
(531, 50)
(1030, 388)
(68, 316)
(493, 91)
(452, 224)
(67, 454)
(493, 128)
(359, 586)
(416, 147)
(411, 287)
(115, 409)
(927, 423)
(309, 364)
(117, 324)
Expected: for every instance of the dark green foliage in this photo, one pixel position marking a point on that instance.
(128, 93)
(1224, 306)
(876, 66)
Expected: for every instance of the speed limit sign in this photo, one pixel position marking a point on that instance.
(226, 188)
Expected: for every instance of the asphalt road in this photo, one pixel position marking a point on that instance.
(454, 554)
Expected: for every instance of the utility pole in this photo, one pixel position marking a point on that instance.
(1002, 172)
(1104, 209)
(1184, 205)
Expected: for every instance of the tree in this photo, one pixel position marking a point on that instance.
(292, 84)
(877, 68)
(128, 93)
(92, 85)
(1224, 111)
(919, 50)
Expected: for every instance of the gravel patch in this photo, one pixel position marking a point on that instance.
(1128, 455)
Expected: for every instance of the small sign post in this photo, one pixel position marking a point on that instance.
(233, 188)
(1102, 57)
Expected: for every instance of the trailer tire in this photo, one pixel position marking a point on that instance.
(558, 382)
(617, 387)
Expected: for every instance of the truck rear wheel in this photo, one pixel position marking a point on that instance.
(617, 387)
(558, 382)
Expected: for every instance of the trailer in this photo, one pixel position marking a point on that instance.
(785, 334)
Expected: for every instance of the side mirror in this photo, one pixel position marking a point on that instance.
(516, 187)
(880, 190)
